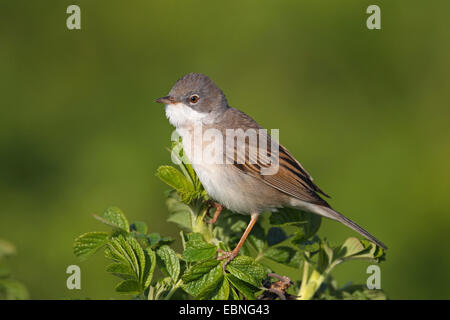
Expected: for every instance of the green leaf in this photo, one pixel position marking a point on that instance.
(131, 262)
(150, 266)
(198, 270)
(88, 243)
(309, 223)
(325, 258)
(121, 270)
(230, 227)
(179, 182)
(233, 291)
(204, 279)
(139, 227)
(141, 258)
(247, 269)
(257, 238)
(286, 216)
(121, 250)
(275, 235)
(246, 289)
(124, 249)
(171, 262)
(128, 287)
(354, 248)
(197, 250)
(349, 292)
(114, 217)
(180, 213)
(194, 236)
(351, 249)
(153, 238)
(174, 178)
(284, 255)
(223, 291)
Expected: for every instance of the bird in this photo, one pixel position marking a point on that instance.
(236, 179)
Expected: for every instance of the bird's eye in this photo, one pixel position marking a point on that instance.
(194, 98)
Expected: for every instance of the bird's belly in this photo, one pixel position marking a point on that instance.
(234, 190)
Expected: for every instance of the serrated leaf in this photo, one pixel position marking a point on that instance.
(198, 270)
(246, 289)
(197, 250)
(350, 247)
(88, 243)
(353, 248)
(174, 178)
(141, 259)
(114, 217)
(247, 269)
(203, 279)
(150, 266)
(121, 270)
(223, 291)
(126, 251)
(128, 287)
(179, 182)
(171, 261)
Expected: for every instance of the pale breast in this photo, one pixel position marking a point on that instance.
(226, 184)
(237, 191)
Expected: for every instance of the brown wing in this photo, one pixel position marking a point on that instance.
(291, 178)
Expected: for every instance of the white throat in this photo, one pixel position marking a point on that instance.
(181, 115)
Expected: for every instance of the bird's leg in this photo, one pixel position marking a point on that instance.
(228, 256)
(219, 209)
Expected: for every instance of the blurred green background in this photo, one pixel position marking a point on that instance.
(366, 112)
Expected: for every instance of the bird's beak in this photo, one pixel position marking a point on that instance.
(166, 100)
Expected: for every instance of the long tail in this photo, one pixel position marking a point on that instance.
(330, 213)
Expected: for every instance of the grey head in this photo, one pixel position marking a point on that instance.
(198, 92)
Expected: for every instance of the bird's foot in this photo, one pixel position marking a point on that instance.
(227, 256)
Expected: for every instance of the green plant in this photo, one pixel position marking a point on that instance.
(10, 288)
(290, 241)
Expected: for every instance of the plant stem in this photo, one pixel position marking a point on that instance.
(310, 282)
(301, 292)
(173, 289)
